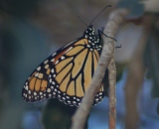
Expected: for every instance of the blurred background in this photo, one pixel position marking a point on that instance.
(30, 30)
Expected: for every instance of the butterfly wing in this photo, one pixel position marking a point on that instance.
(72, 73)
(67, 73)
(37, 86)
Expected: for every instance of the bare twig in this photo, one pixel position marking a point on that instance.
(136, 70)
(112, 94)
(81, 114)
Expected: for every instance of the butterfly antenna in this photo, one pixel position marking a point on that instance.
(82, 21)
(99, 14)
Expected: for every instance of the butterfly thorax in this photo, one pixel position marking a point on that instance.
(94, 40)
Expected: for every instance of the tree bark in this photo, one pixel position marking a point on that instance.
(112, 25)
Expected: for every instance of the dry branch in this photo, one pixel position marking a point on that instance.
(81, 114)
(136, 71)
(112, 94)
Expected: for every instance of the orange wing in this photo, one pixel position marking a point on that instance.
(73, 72)
(67, 73)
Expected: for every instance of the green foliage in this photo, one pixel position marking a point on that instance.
(151, 59)
(57, 115)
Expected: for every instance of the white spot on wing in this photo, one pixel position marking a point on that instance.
(57, 62)
(29, 92)
(78, 99)
(54, 54)
(52, 70)
(62, 57)
(52, 60)
(67, 97)
(68, 102)
(39, 68)
(26, 87)
(69, 43)
(53, 82)
(74, 102)
(59, 96)
(97, 99)
(68, 49)
(46, 66)
(48, 90)
(86, 36)
(100, 93)
(50, 80)
(50, 95)
(63, 98)
(35, 93)
(88, 45)
(46, 61)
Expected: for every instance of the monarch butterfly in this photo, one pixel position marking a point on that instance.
(68, 72)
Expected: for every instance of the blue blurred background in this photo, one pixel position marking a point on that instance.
(31, 30)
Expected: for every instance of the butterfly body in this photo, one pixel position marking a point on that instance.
(67, 73)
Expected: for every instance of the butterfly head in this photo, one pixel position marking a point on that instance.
(90, 31)
(93, 38)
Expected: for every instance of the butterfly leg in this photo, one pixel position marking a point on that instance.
(101, 32)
